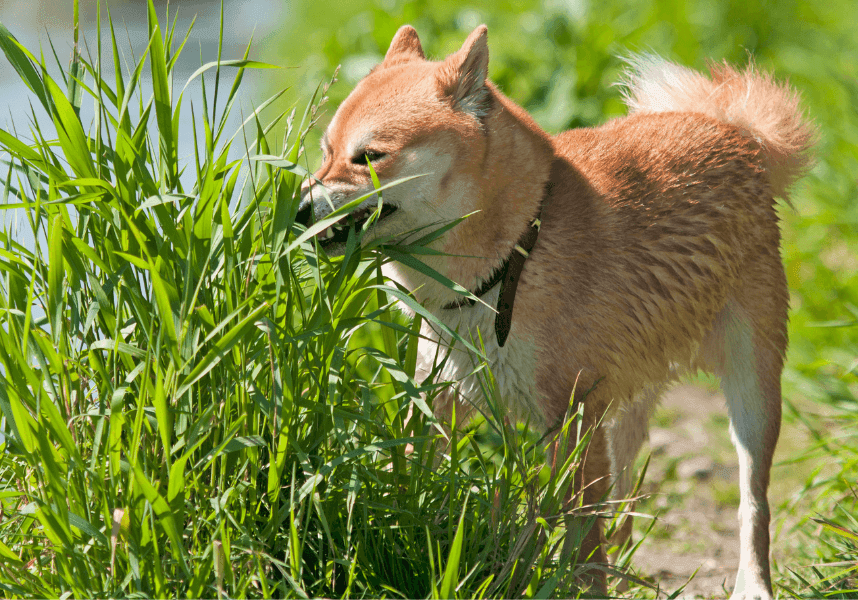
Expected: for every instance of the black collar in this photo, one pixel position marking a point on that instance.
(507, 275)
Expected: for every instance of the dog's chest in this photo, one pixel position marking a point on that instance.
(513, 367)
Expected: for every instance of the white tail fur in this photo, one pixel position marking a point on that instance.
(749, 99)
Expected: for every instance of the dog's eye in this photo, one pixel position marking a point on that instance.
(367, 156)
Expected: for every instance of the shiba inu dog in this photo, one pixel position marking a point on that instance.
(630, 251)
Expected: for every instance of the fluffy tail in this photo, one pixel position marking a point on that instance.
(751, 100)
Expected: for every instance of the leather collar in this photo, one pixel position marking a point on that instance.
(507, 275)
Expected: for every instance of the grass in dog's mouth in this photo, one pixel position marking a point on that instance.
(339, 233)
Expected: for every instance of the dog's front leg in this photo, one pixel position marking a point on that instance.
(590, 486)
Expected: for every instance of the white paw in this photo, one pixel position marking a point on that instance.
(752, 591)
(751, 595)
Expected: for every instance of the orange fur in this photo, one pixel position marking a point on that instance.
(659, 247)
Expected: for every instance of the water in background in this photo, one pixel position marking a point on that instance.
(37, 23)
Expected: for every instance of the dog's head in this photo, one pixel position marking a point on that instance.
(409, 116)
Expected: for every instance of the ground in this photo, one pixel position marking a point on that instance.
(692, 487)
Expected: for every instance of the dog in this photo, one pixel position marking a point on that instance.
(605, 260)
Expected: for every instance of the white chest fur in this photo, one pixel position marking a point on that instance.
(512, 367)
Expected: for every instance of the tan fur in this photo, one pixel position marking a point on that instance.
(659, 247)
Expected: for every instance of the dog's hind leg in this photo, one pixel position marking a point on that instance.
(745, 347)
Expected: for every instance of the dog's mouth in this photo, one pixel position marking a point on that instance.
(339, 232)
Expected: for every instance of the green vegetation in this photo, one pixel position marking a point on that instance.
(197, 402)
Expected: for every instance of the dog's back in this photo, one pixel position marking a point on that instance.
(655, 221)
(750, 100)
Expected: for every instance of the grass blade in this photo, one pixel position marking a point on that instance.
(20, 60)
(451, 572)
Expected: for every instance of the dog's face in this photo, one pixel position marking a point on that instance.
(408, 117)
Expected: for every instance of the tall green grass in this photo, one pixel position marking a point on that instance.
(828, 499)
(197, 402)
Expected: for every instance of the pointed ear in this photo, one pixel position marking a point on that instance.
(404, 47)
(463, 75)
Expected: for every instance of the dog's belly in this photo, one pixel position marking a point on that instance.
(513, 367)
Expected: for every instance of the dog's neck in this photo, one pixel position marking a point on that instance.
(504, 194)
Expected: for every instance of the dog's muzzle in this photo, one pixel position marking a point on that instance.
(312, 210)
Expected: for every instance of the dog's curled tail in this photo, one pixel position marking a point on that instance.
(749, 99)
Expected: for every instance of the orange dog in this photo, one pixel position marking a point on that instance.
(630, 252)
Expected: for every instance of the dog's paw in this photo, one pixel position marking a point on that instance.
(751, 595)
(751, 585)
(751, 592)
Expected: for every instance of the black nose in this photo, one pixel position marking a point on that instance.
(305, 213)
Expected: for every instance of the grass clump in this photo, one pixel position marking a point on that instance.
(828, 500)
(197, 402)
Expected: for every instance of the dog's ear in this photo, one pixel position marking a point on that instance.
(462, 76)
(404, 47)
